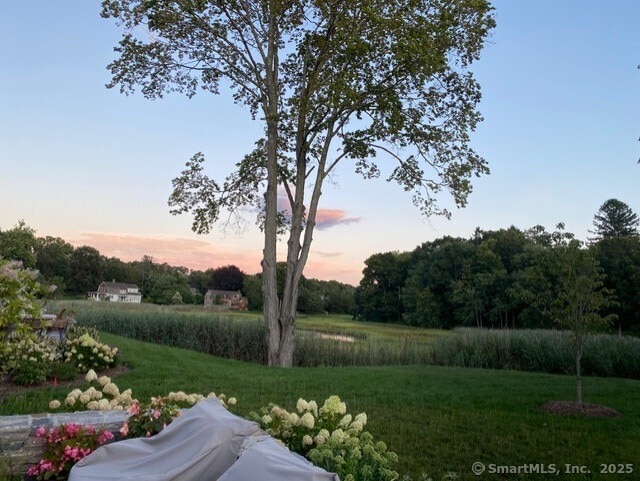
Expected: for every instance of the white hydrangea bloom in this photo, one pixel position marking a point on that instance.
(313, 407)
(345, 421)
(339, 435)
(294, 419)
(333, 405)
(302, 405)
(307, 420)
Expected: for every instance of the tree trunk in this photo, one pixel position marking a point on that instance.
(274, 330)
(578, 372)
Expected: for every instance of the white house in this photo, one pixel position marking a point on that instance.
(116, 292)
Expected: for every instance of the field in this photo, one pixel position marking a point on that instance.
(438, 419)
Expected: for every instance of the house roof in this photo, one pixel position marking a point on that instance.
(216, 292)
(119, 285)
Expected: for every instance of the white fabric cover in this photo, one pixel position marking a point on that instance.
(267, 460)
(200, 445)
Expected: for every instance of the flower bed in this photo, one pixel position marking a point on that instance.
(49, 445)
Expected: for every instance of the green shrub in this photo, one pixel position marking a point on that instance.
(19, 291)
(86, 353)
(76, 331)
(331, 438)
(28, 359)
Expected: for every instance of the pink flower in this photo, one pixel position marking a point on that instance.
(124, 430)
(72, 429)
(156, 414)
(134, 409)
(106, 436)
(41, 432)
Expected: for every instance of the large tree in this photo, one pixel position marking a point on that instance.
(227, 278)
(331, 81)
(19, 244)
(53, 255)
(620, 261)
(87, 270)
(379, 295)
(614, 219)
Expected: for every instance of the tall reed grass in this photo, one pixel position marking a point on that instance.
(539, 351)
(243, 339)
(231, 338)
(314, 350)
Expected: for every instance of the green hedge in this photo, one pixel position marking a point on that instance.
(539, 351)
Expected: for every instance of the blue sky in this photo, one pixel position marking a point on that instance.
(79, 161)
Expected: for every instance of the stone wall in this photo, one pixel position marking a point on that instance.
(19, 447)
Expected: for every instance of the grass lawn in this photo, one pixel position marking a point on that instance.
(437, 419)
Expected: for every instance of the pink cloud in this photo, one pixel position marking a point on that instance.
(176, 251)
(328, 254)
(333, 269)
(327, 218)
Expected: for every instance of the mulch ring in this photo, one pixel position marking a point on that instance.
(587, 410)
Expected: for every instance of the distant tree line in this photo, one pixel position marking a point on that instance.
(316, 296)
(505, 278)
(75, 271)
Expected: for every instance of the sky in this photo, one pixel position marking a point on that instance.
(88, 164)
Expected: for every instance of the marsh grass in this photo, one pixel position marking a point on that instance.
(538, 351)
(240, 336)
(332, 340)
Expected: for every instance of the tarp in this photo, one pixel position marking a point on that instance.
(200, 445)
(267, 460)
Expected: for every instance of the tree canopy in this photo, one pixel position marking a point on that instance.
(504, 278)
(331, 81)
(19, 243)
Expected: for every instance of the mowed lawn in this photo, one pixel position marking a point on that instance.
(437, 419)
